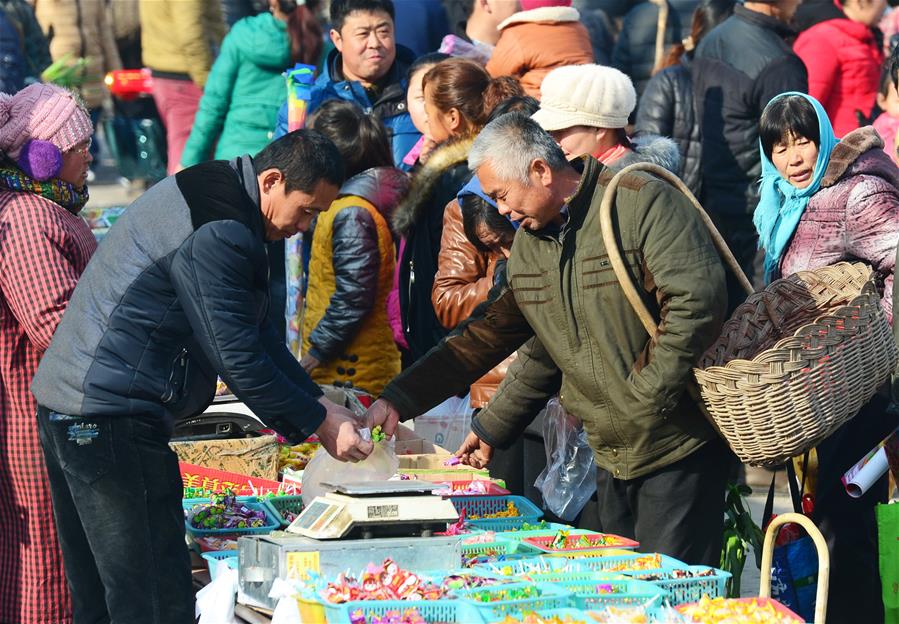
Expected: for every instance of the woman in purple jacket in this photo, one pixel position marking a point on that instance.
(826, 200)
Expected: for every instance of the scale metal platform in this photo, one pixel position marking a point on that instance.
(376, 509)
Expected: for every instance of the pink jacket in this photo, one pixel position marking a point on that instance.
(887, 127)
(855, 214)
(843, 62)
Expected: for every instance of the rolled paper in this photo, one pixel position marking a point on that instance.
(859, 479)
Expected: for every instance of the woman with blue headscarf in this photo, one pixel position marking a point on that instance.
(826, 200)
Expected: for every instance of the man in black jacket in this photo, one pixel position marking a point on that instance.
(177, 293)
(738, 67)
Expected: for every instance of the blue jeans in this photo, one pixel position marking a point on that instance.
(116, 491)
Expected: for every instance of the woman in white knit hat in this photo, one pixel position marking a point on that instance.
(586, 107)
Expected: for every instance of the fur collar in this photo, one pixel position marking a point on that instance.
(543, 14)
(423, 183)
(651, 148)
(848, 150)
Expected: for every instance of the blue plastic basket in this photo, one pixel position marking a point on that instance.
(550, 597)
(611, 562)
(591, 594)
(229, 557)
(528, 565)
(483, 505)
(433, 611)
(551, 529)
(689, 589)
(574, 615)
(271, 523)
(278, 505)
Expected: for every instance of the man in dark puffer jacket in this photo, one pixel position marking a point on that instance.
(737, 69)
(178, 292)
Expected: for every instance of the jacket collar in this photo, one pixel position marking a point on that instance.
(764, 21)
(246, 173)
(848, 151)
(542, 14)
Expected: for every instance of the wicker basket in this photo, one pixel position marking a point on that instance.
(794, 362)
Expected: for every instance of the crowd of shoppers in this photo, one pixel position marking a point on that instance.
(446, 191)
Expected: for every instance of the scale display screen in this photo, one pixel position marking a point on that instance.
(311, 514)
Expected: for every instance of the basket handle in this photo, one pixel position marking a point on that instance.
(611, 244)
(823, 560)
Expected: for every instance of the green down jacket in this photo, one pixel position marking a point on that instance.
(244, 91)
(581, 337)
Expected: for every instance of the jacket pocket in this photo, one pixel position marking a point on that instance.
(174, 386)
(83, 446)
(531, 288)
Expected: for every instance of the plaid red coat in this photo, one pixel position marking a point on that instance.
(43, 250)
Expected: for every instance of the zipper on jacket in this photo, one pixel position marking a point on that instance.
(409, 296)
(179, 362)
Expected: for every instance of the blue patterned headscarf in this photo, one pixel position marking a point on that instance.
(781, 204)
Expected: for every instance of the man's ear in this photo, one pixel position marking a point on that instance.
(544, 174)
(268, 179)
(337, 40)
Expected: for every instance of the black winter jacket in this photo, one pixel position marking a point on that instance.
(177, 293)
(737, 68)
(667, 109)
(635, 50)
(419, 220)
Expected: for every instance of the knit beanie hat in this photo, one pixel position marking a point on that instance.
(45, 113)
(528, 5)
(585, 95)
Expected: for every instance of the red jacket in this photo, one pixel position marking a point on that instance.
(843, 62)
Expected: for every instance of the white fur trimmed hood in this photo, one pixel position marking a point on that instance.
(543, 14)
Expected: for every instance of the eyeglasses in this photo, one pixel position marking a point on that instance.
(83, 151)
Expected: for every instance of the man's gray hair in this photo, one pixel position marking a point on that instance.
(511, 142)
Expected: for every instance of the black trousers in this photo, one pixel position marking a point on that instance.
(677, 510)
(849, 524)
(116, 491)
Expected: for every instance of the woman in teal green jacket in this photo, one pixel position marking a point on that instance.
(240, 102)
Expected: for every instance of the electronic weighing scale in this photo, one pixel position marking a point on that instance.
(376, 509)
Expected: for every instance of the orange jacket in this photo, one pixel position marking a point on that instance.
(532, 43)
(464, 277)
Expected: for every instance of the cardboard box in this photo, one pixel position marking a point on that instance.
(252, 457)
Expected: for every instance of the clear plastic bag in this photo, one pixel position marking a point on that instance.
(322, 468)
(569, 479)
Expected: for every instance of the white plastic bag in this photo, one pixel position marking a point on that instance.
(215, 602)
(447, 424)
(322, 468)
(569, 479)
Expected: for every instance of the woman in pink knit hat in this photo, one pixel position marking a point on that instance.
(45, 137)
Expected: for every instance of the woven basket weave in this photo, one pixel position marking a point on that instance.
(794, 362)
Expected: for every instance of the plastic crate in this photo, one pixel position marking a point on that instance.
(484, 505)
(633, 562)
(433, 611)
(582, 542)
(530, 565)
(280, 504)
(688, 589)
(550, 530)
(574, 616)
(216, 558)
(548, 597)
(598, 594)
(270, 525)
(458, 487)
(497, 548)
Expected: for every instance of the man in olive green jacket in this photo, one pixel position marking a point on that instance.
(662, 470)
